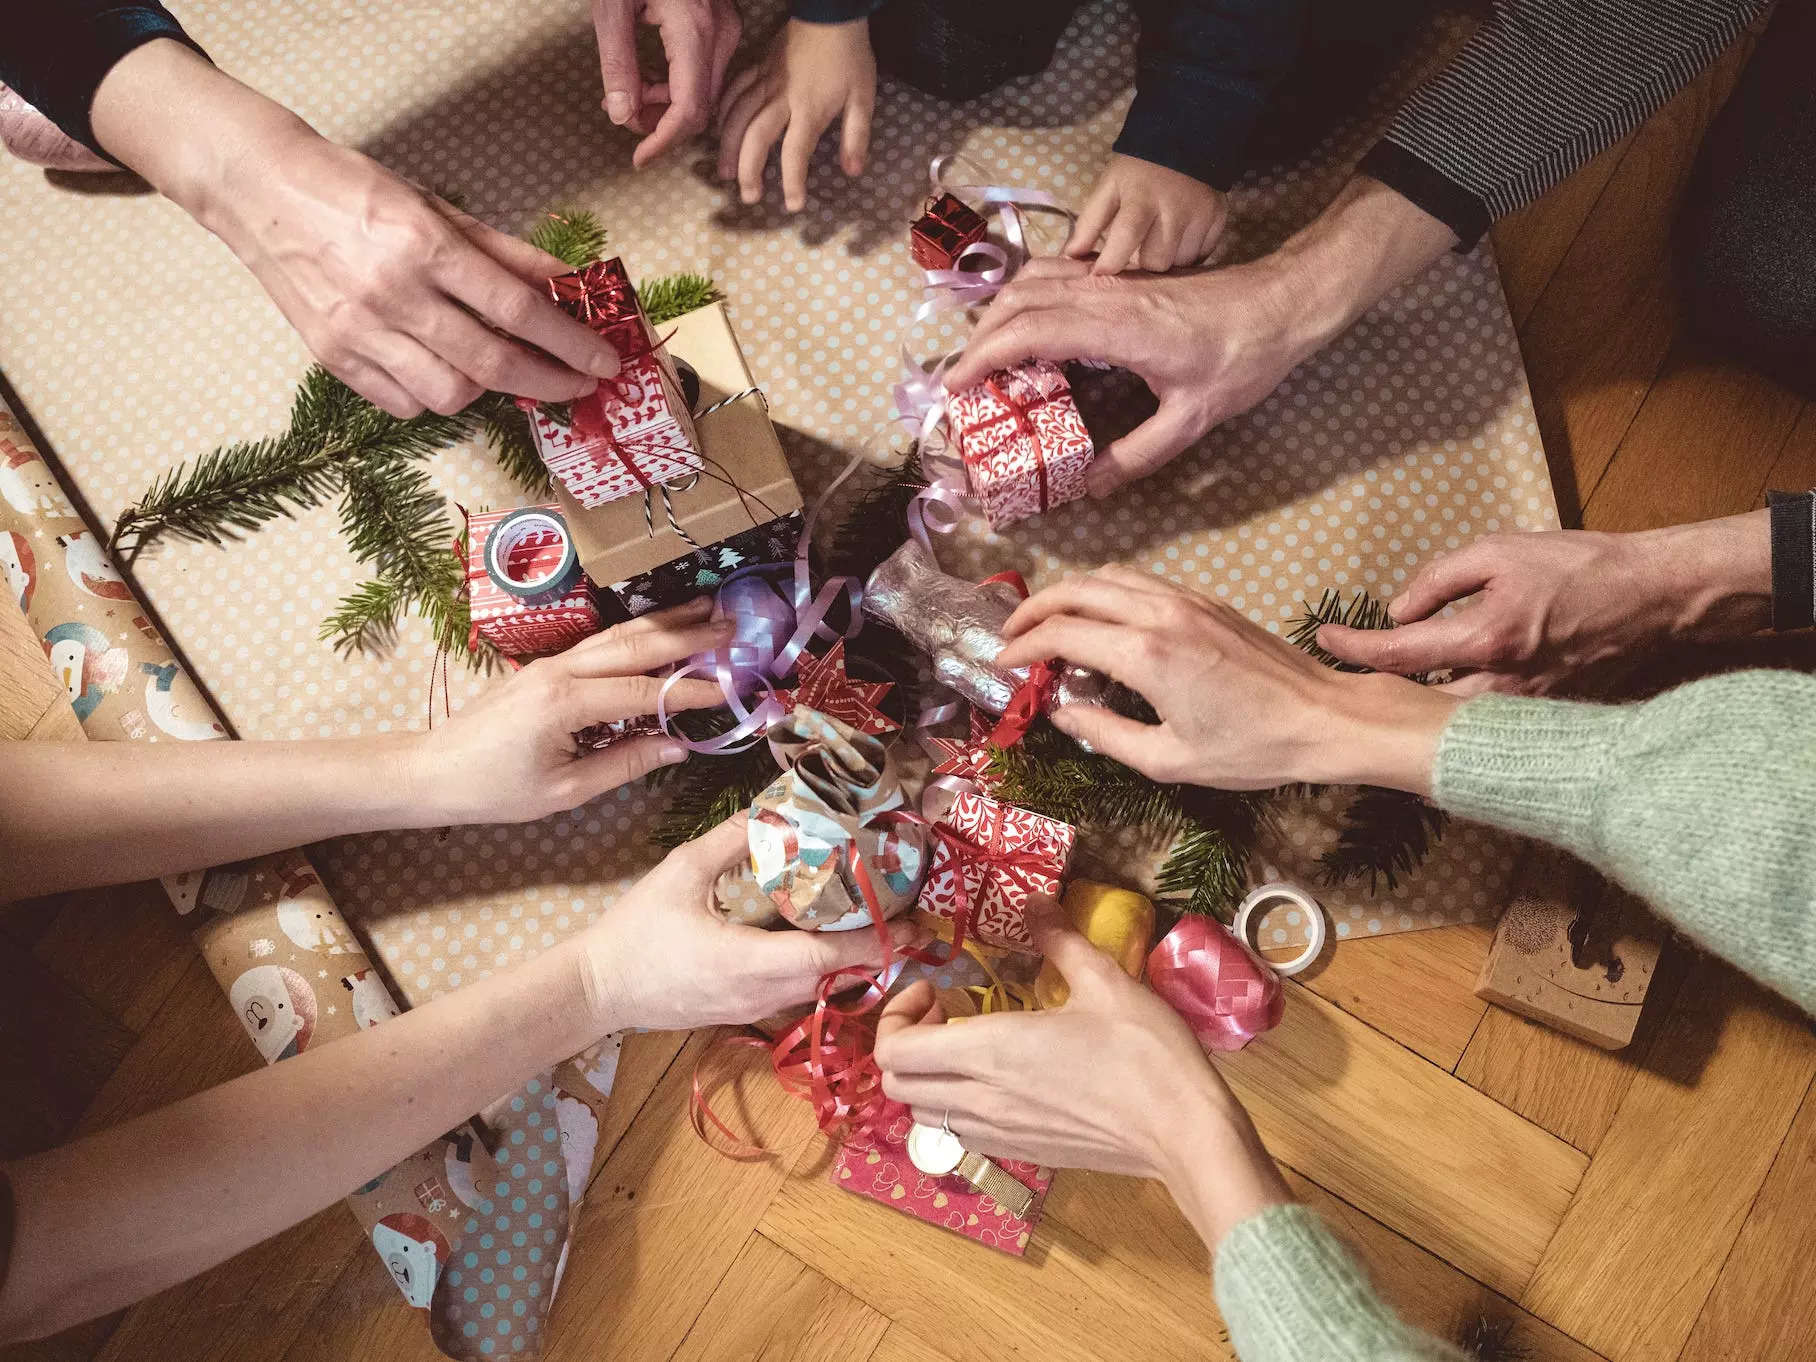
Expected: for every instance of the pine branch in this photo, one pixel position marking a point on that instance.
(1204, 873)
(877, 523)
(708, 789)
(1386, 834)
(573, 236)
(395, 521)
(507, 432)
(366, 618)
(1361, 611)
(1492, 1340)
(671, 295)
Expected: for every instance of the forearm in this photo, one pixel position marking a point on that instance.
(1713, 578)
(118, 1215)
(85, 814)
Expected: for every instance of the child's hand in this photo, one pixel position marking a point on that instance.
(812, 74)
(698, 37)
(1148, 217)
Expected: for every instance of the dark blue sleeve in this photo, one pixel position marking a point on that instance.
(832, 11)
(55, 53)
(1204, 71)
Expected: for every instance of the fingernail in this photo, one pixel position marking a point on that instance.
(671, 753)
(618, 106)
(605, 364)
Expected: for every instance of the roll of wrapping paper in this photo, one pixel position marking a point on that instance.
(293, 971)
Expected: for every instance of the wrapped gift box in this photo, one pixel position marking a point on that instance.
(1024, 444)
(634, 431)
(1013, 853)
(533, 548)
(747, 484)
(940, 237)
(701, 571)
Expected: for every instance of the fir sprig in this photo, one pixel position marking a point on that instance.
(572, 235)
(506, 427)
(671, 295)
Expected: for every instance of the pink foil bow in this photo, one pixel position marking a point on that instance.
(1225, 993)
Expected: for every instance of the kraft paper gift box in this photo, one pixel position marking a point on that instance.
(1023, 441)
(635, 430)
(747, 483)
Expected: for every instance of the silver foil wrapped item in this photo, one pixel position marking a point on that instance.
(959, 625)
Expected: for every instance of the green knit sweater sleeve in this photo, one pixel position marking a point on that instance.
(1289, 1292)
(1702, 801)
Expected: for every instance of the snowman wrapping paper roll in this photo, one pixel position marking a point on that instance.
(294, 972)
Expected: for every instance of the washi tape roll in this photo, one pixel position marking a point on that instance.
(1266, 897)
(531, 555)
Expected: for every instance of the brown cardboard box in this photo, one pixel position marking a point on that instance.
(615, 541)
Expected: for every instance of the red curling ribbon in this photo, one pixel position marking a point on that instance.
(1029, 702)
(1225, 993)
(1020, 413)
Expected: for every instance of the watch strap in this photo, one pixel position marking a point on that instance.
(1793, 516)
(993, 1182)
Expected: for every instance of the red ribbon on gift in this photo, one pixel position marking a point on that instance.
(1022, 414)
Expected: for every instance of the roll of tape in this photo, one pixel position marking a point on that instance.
(1269, 894)
(533, 529)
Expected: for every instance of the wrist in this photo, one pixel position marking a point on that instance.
(591, 958)
(1213, 1162)
(1712, 579)
(1385, 733)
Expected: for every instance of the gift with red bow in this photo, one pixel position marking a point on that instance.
(988, 858)
(1023, 442)
(942, 235)
(633, 432)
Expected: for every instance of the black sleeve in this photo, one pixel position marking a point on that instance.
(1539, 88)
(6, 1224)
(1793, 559)
(832, 11)
(1203, 72)
(55, 53)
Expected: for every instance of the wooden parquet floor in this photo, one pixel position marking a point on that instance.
(1640, 1207)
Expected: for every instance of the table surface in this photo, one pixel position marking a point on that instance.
(1651, 1205)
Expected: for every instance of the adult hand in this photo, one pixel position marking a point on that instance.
(1553, 604)
(812, 74)
(1145, 216)
(661, 958)
(699, 38)
(1210, 345)
(509, 756)
(410, 303)
(1138, 1095)
(1239, 708)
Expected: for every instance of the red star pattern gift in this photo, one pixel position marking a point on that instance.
(635, 431)
(988, 857)
(1024, 444)
(524, 586)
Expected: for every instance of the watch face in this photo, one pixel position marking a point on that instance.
(934, 1151)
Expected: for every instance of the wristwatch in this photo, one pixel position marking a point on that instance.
(936, 1151)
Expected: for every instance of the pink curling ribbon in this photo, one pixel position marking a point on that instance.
(1008, 200)
(1226, 994)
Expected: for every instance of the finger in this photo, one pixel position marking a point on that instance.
(1099, 211)
(802, 136)
(740, 111)
(377, 387)
(1444, 580)
(632, 759)
(753, 155)
(1151, 445)
(615, 27)
(604, 700)
(727, 29)
(688, 612)
(1425, 646)
(1156, 252)
(432, 381)
(1120, 650)
(1123, 239)
(736, 89)
(910, 1007)
(1152, 749)
(528, 262)
(521, 310)
(1053, 267)
(854, 133)
(1478, 683)
(1056, 333)
(1094, 595)
(623, 651)
(494, 362)
(1070, 952)
(1194, 242)
(689, 77)
(712, 853)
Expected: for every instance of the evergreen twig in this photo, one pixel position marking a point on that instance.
(573, 236)
(506, 427)
(671, 295)
(1386, 834)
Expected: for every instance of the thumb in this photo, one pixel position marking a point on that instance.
(1155, 442)
(1428, 645)
(854, 133)
(1068, 951)
(915, 1005)
(622, 763)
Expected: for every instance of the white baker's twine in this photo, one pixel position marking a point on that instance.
(1269, 894)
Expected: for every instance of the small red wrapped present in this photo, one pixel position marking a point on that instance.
(634, 431)
(1024, 444)
(524, 585)
(988, 857)
(940, 237)
(876, 1165)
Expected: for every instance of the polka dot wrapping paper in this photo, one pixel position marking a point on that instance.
(136, 341)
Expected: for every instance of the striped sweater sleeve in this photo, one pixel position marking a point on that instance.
(1541, 87)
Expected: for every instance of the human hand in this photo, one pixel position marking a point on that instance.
(812, 74)
(1553, 604)
(1210, 345)
(662, 958)
(509, 756)
(1239, 708)
(699, 37)
(1139, 1096)
(1147, 217)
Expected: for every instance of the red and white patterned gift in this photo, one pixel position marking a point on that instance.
(525, 625)
(876, 1165)
(1024, 444)
(988, 857)
(634, 431)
